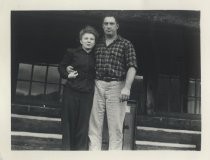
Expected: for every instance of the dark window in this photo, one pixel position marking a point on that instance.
(37, 88)
(39, 73)
(53, 75)
(39, 84)
(194, 96)
(24, 71)
(169, 95)
(22, 88)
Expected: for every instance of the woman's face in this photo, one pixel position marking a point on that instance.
(88, 41)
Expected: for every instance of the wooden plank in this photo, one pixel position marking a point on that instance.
(36, 110)
(168, 130)
(35, 117)
(179, 123)
(35, 143)
(129, 127)
(28, 147)
(196, 124)
(162, 146)
(128, 133)
(35, 134)
(148, 147)
(169, 137)
(168, 122)
(34, 125)
(178, 115)
(160, 122)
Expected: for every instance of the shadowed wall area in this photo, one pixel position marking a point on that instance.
(167, 44)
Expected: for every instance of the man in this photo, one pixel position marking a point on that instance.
(115, 71)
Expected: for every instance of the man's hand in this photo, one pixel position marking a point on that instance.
(72, 74)
(69, 69)
(125, 94)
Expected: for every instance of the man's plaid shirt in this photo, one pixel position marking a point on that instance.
(113, 61)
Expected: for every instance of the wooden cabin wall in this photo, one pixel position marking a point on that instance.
(166, 43)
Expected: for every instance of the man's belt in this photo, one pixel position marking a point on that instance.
(109, 79)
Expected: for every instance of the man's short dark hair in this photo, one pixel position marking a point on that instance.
(111, 15)
(88, 29)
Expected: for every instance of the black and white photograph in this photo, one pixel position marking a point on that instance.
(106, 80)
(158, 64)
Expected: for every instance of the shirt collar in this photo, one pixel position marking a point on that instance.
(118, 38)
(82, 50)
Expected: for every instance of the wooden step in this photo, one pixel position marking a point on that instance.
(40, 133)
(147, 145)
(177, 115)
(35, 124)
(169, 122)
(162, 135)
(38, 119)
(46, 111)
(35, 141)
(30, 147)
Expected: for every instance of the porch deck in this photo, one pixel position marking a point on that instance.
(39, 128)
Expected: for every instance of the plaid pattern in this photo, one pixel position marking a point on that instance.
(113, 61)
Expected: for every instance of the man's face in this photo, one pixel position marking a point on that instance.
(110, 26)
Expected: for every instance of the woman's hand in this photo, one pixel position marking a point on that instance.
(69, 69)
(72, 74)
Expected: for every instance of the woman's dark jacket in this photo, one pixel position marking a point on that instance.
(84, 64)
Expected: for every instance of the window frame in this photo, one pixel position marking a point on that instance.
(45, 82)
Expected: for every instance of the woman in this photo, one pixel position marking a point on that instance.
(78, 91)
